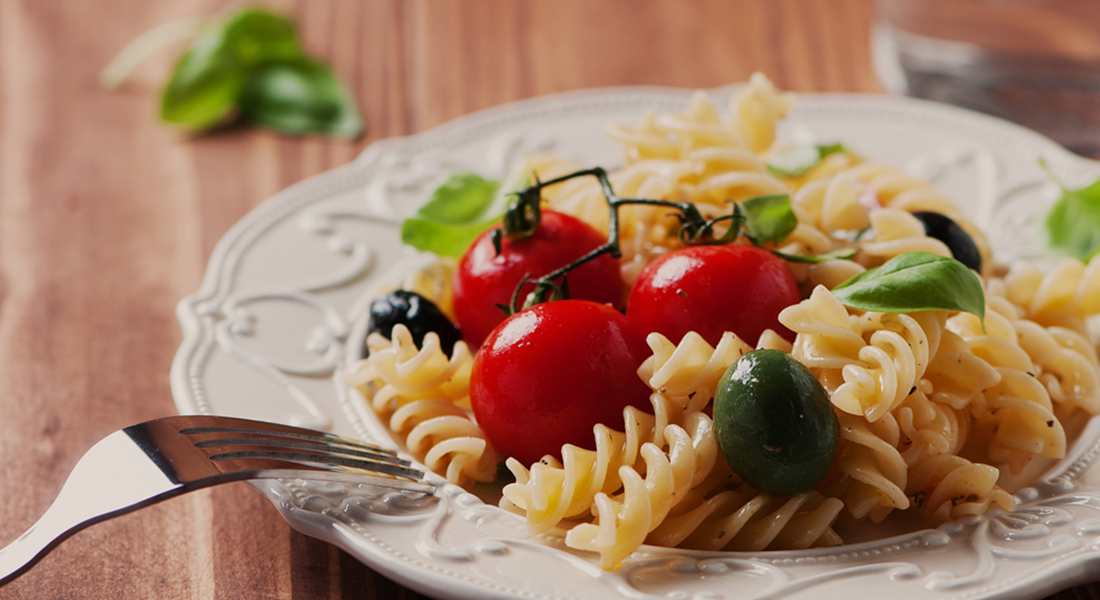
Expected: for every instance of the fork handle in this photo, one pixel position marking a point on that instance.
(91, 494)
(116, 477)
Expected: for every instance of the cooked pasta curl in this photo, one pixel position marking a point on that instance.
(424, 396)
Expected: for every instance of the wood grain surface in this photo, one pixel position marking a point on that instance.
(107, 219)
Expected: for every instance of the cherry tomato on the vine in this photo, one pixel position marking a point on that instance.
(484, 278)
(711, 290)
(547, 375)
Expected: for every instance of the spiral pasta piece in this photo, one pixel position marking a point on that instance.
(841, 205)
(957, 376)
(1070, 370)
(446, 440)
(1019, 421)
(726, 515)
(644, 142)
(1063, 297)
(947, 486)
(551, 491)
(869, 377)
(759, 107)
(831, 273)
(692, 367)
(624, 520)
(878, 474)
(807, 203)
(700, 127)
(827, 337)
(993, 339)
(929, 428)
(1016, 414)
(424, 396)
(715, 160)
(770, 340)
(890, 365)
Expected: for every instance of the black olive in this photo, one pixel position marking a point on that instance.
(957, 240)
(417, 313)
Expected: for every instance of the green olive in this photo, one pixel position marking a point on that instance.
(775, 423)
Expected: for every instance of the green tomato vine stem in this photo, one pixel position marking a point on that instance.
(522, 217)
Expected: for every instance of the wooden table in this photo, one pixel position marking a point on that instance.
(107, 219)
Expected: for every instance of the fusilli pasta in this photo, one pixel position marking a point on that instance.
(424, 397)
(1015, 415)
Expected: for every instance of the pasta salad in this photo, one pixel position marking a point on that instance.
(809, 340)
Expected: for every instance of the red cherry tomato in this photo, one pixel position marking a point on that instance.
(484, 278)
(548, 374)
(711, 290)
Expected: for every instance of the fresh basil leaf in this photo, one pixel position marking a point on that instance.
(769, 218)
(463, 199)
(1073, 223)
(915, 281)
(441, 238)
(260, 37)
(796, 161)
(205, 84)
(299, 97)
(457, 212)
(838, 254)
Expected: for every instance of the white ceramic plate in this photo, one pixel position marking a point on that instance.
(277, 317)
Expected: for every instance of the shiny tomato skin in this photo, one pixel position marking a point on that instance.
(711, 290)
(548, 374)
(484, 279)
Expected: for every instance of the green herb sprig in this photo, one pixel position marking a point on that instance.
(1073, 223)
(249, 67)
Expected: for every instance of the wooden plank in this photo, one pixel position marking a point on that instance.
(464, 57)
(107, 219)
(91, 233)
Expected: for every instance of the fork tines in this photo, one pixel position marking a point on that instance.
(317, 449)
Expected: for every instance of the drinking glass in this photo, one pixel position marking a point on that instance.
(1035, 62)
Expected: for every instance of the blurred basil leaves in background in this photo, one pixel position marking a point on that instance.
(249, 67)
(298, 97)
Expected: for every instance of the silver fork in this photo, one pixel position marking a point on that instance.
(159, 459)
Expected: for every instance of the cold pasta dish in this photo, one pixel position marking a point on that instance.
(728, 343)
